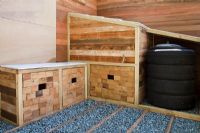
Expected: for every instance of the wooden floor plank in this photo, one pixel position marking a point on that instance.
(137, 122)
(103, 120)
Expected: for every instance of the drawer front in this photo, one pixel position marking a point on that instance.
(40, 94)
(112, 82)
(73, 85)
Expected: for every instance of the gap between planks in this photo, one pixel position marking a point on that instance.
(75, 117)
(104, 120)
(137, 122)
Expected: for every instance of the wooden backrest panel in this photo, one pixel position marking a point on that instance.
(101, 42)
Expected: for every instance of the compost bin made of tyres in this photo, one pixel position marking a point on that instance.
(171, 76)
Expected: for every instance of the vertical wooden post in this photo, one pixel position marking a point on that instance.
(68, 37)
(19, 98)
(86, 81)
(60, 87)
(137, 64)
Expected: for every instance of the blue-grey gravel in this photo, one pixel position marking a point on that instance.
(120, 122)
(88, 120)
(181, 125)
(4, 126)
(49, 122)
(153, 123)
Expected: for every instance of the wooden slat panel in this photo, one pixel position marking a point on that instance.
(62, 9)
(102, 42)
(102, 47)
(8, 90)
(7, 80)
(113, 53)
(103, 58)
(172, 15)
(8, 99)
(9, 116)
(78, 30)
(8, 107)
(108, 34)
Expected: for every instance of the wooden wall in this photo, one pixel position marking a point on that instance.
(102, 42)
(182, 16)
(27, 31)
(62, 9)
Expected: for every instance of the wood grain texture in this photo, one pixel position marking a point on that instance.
(62, 9)
(73, 85)
(40, 94)
(101, 42)
(181, 16)
(143, 48)
(112, 82)
(8, 96)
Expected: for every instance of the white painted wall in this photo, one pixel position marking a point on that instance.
(27, 31)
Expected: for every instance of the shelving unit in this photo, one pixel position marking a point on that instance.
(110, 46)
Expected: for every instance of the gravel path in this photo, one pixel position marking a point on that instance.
(185, 126)
(85, 122)
(152, 123)
(4, 126)
(49, 122)
(102, 117)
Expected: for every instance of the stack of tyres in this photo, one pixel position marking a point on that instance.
(171, 77)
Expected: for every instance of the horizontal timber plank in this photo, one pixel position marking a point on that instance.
(102, 47)
(102, 59)
(113, 53)
(104, 41)
(7, 115)
(107, 34)
(78, 30)
(8, 90)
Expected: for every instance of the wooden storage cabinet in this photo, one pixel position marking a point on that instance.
(112, 82)
(30, 91)
(40, 94)
(73, 85)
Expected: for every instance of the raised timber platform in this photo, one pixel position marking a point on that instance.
(30, 91)
(114, 45)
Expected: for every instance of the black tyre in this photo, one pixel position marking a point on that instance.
(168, 46)
(170, 54)
(184, 57)
(171, 102)
(171, 72)
(171, 87)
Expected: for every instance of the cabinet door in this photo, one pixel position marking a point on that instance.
(40, 94)
(73, 85)
(112, 82)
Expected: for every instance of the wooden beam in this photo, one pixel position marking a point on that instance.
(174, 35)
(19, 98)
(137, 63)
(107, 20)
